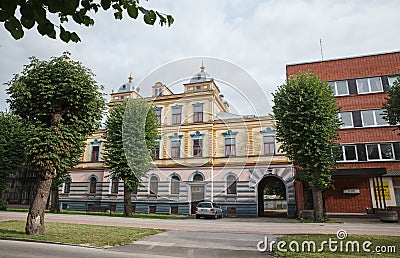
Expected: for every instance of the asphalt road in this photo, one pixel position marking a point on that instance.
(265, 226)
(188, 237)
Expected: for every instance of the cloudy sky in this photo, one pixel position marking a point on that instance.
(259, 37)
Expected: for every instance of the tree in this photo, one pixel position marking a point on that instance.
(38, 12)
(307, 125)
(130, 135)
(13, 137)
(392, 104)
(62, 101)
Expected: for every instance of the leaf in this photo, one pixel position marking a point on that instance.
(118, 15)
(27, 22)
(14, 27)
(150, 17)
(4, 15)
(105, 4)
(45, 28)
(170, 20)
(132, 11)
(74, 37)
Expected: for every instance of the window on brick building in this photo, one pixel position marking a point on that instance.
(369, 85)
(380, 151)
(339, 88)
(392, 79)
(347, 153)
(347, 119)
(373, 117)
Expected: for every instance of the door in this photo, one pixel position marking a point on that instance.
(197, 196)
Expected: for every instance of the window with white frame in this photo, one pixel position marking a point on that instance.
(175, 148)
(268, 145)
(176, 114)
(339, 88)
(373, 117)
(175, 184)
(197, 147)
(197, 113)
(347, 119)
(347, 153)
(369, 85)
(230, 146)
(380, 151)
(392, 79)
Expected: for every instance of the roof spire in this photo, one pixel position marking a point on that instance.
(130, 78)
(202, 67)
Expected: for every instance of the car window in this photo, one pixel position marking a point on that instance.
(204, 205)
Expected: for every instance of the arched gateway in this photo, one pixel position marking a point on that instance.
(260, 177)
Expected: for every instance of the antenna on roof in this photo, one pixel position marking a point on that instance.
(322, 54)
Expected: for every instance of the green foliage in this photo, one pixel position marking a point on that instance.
(38, 12)
(307, 126)
(62, 102)
(3, 205)
(13, 139)
(392, 105)
(131, 134)
(275, 187)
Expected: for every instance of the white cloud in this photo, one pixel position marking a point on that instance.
(260, 36)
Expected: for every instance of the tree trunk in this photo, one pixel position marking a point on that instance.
(318, 204)
(55, 201)
(127, 201)
(35, 219)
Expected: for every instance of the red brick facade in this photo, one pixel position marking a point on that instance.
(380, 65)
(337, 201)
(354, 67)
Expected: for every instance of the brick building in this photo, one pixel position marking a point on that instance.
(370, 146)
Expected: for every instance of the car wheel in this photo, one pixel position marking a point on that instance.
(197, 216)
(216, 216)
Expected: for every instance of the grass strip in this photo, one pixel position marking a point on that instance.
(89, 235)
(381, 246)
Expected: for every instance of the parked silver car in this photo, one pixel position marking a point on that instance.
(208, 209)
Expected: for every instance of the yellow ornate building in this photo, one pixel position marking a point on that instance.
(204, 153)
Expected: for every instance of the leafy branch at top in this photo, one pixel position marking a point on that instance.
(36, 12)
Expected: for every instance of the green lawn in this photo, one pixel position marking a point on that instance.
(387, 242)
(113, 214)
(91, 235)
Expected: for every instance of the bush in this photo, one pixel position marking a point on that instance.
(3, 205)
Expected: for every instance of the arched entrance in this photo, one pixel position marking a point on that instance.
(260, 178)
(272, 197)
